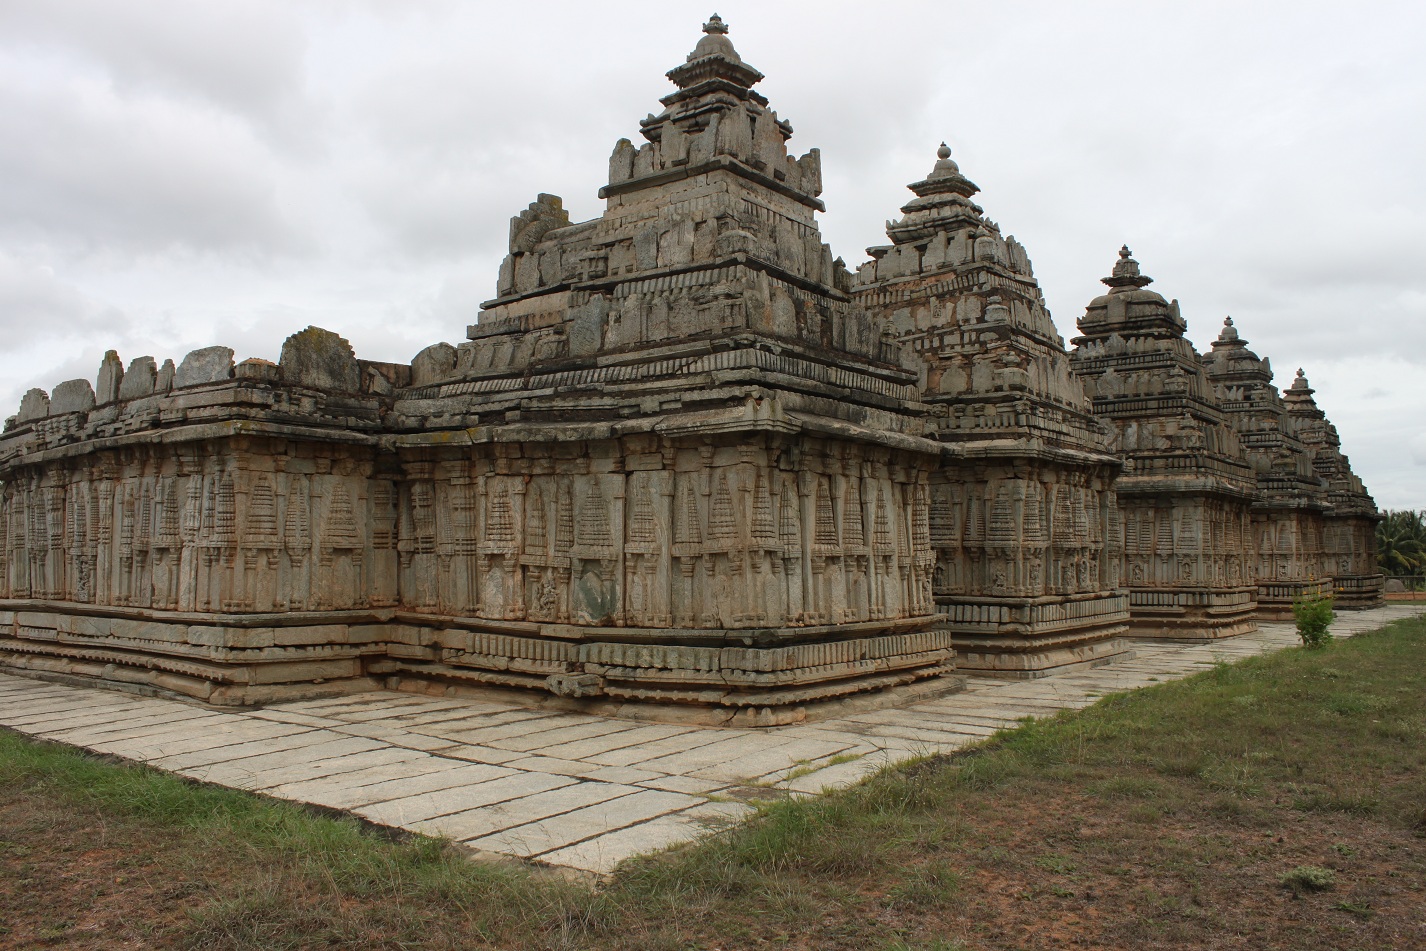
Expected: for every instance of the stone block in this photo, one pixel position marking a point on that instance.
(310, 635)
(139, 380)
(433, 364)
(575, 685)
(111, 377)
(208, 365)
(304, 670)
(72, 396)
(264, 371)
(35, 404)
(321, 360)
(232, 638)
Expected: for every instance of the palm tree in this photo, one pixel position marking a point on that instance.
(1401, 542)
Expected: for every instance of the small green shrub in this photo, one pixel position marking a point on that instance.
(1314, 616)
(1308, 878)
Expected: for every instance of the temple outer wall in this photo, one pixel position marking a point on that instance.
(747, 573)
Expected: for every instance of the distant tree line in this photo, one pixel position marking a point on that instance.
(1401, 542)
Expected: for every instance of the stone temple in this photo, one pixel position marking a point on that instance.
(685, 463)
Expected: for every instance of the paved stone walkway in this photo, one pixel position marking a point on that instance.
(566, 789)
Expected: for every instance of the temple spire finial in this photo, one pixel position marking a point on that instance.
(1229, 333)
(714, 59)
(944, 152)
(1126, 272)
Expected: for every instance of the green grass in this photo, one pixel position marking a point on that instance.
(1192, 802)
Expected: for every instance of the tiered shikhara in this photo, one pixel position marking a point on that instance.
(684, 460)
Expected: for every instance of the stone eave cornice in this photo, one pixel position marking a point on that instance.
(1278, 503)
(973, 448)
(714, 67)
(719, 163)
(174, 435)
(704, 88)
(747, 417)
(1163, 406)
(1134, 362)
(950, 279)
(606, 284)
(1029, 403)
(673, 392)
(1208, 463)
(1133, 483)
(1157, 326)
(922, 224)
(681, 358)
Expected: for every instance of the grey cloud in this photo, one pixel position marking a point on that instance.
(84, 167)
(33, 303)
(231, 171)
(245, 57)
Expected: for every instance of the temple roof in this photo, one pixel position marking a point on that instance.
(1230, 358)
(714, 58)
(942, 203)
(1126, 273)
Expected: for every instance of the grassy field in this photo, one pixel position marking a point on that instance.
(1275, 803)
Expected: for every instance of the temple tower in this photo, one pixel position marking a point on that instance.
(741, 447)
(1187, 489)
(1291, 497)
(1024, 518)
(1349, 523)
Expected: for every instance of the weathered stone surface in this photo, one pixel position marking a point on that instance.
(209, 365)
(72, 396)
(111, 376)
(140, 380)
(321, 360)
(437, 362)
(34, 405)
(256, 369)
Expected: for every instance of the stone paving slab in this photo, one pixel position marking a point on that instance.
(570, 789)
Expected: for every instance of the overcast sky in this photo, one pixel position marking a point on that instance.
(175, 174)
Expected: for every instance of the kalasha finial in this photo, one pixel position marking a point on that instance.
(1227, 321)
(1126, 272)
(715, 24)
(944, 152)
(1229, 332)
